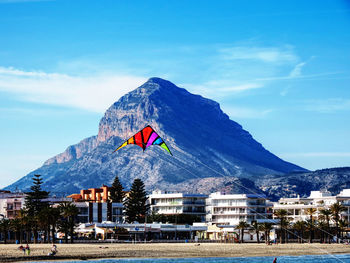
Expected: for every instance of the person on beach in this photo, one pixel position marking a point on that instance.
(23, 249)
(28, 249)
(53, 250)
(275, 260)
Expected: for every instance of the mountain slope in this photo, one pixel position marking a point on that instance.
(204, 141)
(293, 184)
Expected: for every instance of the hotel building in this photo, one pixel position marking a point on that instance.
(230, 209)
(93, 206)
(296, 207)
(11, 204)
(169, 203)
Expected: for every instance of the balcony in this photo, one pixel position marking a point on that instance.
(201, 203)
(194, 212)
(167, 204)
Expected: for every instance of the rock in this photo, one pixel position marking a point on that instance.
(211, 152)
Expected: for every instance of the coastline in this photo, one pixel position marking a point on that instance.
(10, 252)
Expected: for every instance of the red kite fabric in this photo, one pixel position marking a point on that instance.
(145, 138)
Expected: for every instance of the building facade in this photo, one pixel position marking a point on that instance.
(11, 204)
(141, 232)
(92, 195)
(319, 200)
(168, 203)
(93, 206)
(99, 212)
(230, 209)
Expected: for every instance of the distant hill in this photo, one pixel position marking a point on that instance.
(293, 184)
(211, 152)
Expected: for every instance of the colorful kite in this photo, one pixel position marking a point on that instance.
(145, 138)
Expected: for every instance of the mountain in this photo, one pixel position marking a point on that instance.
(209, 149)
(293, 184)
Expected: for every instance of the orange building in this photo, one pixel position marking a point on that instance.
(99, 195)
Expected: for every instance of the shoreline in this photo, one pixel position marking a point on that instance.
(66, 252)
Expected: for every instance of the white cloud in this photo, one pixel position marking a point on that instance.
(219, 89)
(94, 93)
(246, 113)
(296, 72)
(242, 87)
(327, 105)
(235, 70)
(285, 91)
(267, 55)
(304, 77)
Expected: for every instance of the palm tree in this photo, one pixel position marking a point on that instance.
(16, 227)
(64, 227)
(4, 228)
(69, 211)
(26, 223)
(266, 227)
(336, 209)
(257, 227)
(54, 218)
(242, 225)
(281, 214)
(43, 218)
(299, 226)
(342, 225)
(310, 211)
(322, 226)
(326, 213)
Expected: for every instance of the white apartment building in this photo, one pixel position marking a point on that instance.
(230, 209)
(296, 207)
(169, 203)
(11, 204)
(90, 212)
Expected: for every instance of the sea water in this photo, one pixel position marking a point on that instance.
(280, 259)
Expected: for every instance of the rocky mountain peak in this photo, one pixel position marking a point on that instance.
(154, 103)
(204, 141)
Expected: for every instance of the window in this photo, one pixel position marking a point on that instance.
(116, 211)
(83, 210)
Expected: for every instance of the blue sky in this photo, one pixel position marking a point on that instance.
(279, 68)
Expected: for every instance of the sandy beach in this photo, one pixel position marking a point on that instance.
(10, 253)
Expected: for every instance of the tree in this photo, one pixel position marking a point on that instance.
(299, 226)
(310, 211)
(257, 227)
(16, 227)
(54, 217)
(343, 224)
(155, 217)
(281, 214)
(44, 222)
(4, 228)
(337, 209)
(242, 225)
(135, 205)
(326, 213)
(266, 227)
(26, 223)
(64, 227)
(34, 201)
(116, 191)
(322, 226)
(69, 212)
